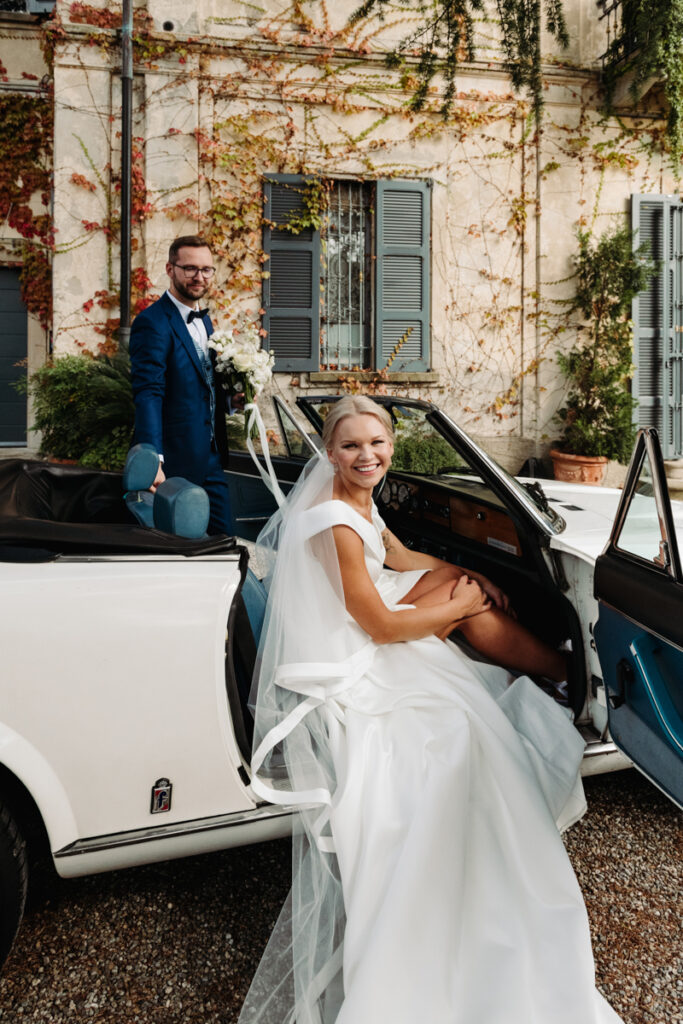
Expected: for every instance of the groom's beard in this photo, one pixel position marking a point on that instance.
(192, 292)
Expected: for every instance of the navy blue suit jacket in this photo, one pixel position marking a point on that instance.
(172, 397)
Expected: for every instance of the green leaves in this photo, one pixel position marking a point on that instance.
(84, 409)
(598, 416)
(446, 37)
(657, 27)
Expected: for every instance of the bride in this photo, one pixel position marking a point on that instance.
(430, 882)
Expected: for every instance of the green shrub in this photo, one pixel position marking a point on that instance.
(419, 452)
(83, 408)
(598, 416)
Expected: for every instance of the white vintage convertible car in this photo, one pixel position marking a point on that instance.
(127, 653)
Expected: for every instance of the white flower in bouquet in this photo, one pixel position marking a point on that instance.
(241, 362)
(242, 365)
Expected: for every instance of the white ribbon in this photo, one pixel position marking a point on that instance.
(269, 478)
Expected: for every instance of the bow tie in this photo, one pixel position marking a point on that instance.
(197, 314)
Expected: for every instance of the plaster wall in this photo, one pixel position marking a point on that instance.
(258, 92)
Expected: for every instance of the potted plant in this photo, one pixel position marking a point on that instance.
(598, 414)
(83, 408)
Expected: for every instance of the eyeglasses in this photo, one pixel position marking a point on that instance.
(191, 271)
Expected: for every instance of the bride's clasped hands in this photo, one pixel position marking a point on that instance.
(430, 881)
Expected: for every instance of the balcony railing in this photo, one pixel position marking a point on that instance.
(622, 39)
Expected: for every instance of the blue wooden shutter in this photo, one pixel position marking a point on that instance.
(658, 321)
(402, 279)
(291, 294)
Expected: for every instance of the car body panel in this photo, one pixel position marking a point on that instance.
(37, 775)
(129, 689)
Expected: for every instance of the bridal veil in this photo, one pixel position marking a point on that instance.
(310, 648)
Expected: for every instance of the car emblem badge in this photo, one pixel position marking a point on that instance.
(161, 796)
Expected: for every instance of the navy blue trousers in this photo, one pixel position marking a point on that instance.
(216, 486)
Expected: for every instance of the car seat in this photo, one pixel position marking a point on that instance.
(177, 506)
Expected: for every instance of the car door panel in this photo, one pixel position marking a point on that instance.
(251, 500)
(639, 632)
(643, 675)
(643, 595)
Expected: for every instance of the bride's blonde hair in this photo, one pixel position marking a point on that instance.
(354, 405)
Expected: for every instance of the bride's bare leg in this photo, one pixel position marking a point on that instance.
(506, 642)
(497, 636)
(431, 596)
(433, 580)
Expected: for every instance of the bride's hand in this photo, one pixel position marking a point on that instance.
(469, 597)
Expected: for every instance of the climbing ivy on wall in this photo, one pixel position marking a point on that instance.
(25, 183)
(445, 37)
(656, 28)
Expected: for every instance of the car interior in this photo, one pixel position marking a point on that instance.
(48, 510)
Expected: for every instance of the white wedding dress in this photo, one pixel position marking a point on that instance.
(435, 816)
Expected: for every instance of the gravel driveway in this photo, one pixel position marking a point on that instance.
(177, 942)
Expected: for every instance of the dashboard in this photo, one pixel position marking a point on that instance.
(472, 512)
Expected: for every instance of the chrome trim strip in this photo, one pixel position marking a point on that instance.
(656, 784)
(600, 747)
(115, 840)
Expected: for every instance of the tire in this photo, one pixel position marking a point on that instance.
(13, 880)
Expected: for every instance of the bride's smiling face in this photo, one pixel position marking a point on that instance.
(361, 451)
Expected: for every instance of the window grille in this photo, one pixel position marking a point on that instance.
(347, 278)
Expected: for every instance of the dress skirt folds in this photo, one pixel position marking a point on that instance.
(460, 905)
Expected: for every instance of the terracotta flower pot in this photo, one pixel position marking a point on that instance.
(579, 469)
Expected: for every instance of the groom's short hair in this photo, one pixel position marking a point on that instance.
(189, 242)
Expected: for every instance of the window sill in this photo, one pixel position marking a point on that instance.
(367, 376)
(19, 17)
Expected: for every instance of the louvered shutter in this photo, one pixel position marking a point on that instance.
(402, 279)
(291, 294)
(658, 323)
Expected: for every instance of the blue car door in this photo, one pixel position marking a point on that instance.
(639, 632)
(290, 447)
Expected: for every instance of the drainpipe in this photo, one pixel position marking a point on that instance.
(126, 160)
(538, 332)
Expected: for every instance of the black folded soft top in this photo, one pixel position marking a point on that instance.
(48, 509)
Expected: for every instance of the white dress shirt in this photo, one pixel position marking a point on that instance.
(196, 328)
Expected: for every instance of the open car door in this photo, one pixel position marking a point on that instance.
(639, 633)
(251, 501)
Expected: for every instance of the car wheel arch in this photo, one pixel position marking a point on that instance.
(33, 789)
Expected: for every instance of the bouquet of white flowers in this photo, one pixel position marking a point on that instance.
(242, 366)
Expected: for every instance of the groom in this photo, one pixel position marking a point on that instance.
(179, 408)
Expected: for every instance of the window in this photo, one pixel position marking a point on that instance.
(27, 6)
(643, 531)
(355, 292)
(658, 321)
